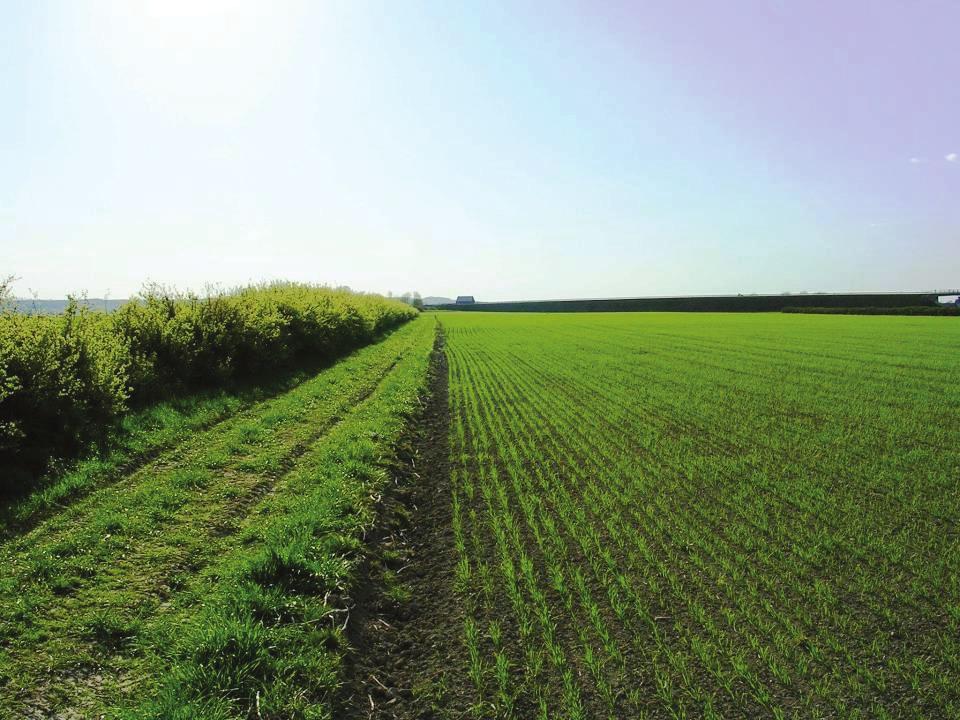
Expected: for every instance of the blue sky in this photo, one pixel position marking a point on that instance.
(535, 150)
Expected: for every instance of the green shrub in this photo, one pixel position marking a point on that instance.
(179, 340)
(64, 378)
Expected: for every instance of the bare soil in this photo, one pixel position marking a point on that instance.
(407, 658)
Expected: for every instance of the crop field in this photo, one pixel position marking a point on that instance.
(697, 515)
(514, 516)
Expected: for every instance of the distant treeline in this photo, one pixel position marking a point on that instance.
(719, 303)
(917, 310)
(64, 378)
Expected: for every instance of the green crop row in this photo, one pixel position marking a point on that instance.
(707, 515)
(65, 378)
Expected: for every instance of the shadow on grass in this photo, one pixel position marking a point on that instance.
(35, 489)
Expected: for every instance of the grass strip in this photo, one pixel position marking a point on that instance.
(139, 437)
(94, 598)
(268, 639)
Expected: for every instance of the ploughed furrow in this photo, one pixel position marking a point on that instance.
(707, 515)
(133, 552)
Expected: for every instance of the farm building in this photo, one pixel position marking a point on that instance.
(465, 300)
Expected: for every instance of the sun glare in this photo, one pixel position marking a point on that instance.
(207, 60)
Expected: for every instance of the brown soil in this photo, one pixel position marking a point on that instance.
(407, 660)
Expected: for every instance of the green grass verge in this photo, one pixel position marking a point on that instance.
(137, 438)
(209, 582)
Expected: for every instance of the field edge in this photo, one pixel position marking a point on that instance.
(405, 660)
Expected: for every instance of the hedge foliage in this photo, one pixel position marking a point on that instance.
(64, 378)
(948, 310)
(707, 303)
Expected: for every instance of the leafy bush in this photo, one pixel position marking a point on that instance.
(64, 378)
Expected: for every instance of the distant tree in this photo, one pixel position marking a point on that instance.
(417, 300)
(6, 288)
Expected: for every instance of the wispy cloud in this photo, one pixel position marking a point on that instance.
(916, 160)
(952, 157)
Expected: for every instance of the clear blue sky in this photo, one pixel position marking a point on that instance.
(531, 150)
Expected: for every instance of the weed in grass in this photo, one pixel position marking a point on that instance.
(111, 628)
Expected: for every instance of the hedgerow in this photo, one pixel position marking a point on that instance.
(945, 310)
(61, 378)
(64, 378)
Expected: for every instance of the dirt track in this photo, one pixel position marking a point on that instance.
(406, 626)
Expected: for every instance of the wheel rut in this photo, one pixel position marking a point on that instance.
(406, 660)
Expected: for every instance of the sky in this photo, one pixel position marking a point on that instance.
(522, 150)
